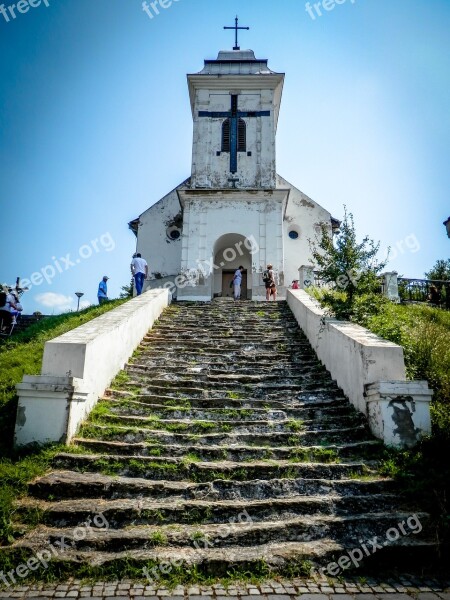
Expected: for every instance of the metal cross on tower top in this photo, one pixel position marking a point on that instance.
(236, 28)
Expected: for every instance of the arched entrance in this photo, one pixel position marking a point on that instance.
(230, 252)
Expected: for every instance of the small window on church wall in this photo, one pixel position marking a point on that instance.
(293, 234)
(173, 233)
(226, 136)
(242, 136)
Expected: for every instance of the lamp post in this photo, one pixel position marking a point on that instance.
(447, 226)
(79, 295)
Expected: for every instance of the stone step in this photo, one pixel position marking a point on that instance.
(243, 531)
(173, 469)
(320, 401)
(215, 407)
(239, 373)
(287, 557)
(132, 407)
(61, 485)
(192, 387)
(198, 376)
(243, 426)
(285, 345)
(331, 453)
(126, 512)
(217, 363)
(185, 434)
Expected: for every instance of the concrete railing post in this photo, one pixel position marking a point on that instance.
(305, 276)
(390, 286)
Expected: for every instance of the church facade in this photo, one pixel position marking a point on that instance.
(234, 209)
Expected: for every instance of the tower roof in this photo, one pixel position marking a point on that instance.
(236, 62)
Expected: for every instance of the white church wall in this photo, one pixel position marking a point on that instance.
(303, 215)
(256, 216)
(154, 243)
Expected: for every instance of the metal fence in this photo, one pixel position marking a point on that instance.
(434, 292)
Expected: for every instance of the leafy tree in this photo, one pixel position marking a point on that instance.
(351, 268)
(440, 271)
(127, 290)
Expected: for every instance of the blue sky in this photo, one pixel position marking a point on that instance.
(95, 124)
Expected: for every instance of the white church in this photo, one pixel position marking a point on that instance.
(234, 209)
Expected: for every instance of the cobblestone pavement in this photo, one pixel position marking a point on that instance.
(368, 589)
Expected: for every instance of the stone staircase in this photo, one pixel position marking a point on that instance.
(223, 445)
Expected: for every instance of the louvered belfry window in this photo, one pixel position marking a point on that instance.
(226, 136)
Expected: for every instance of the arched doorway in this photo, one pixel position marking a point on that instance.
(230, 252)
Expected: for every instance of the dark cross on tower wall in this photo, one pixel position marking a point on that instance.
(234, 115)
(236, 29)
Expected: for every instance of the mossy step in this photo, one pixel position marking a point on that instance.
(252, 371)
(294, 559)
(236, 426)
(191, 386)
(60, 485)
(243, 531)
(321, 454)
(133, 406)
(322, 405)
(196, 375)
(173, 469)
(136, 430)
(125, 512)
(218, 407)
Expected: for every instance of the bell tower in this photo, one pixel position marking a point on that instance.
(235, 103)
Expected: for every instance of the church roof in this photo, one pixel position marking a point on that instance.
(236, 62)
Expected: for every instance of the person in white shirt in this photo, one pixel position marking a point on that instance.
(8, 303)
(15, 309)
(237, 283)
(139, 268)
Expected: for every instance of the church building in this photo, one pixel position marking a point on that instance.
(234, 209)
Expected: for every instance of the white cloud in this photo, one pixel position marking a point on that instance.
(85, 304)
(55, 301)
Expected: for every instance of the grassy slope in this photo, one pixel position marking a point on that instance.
(18, 356)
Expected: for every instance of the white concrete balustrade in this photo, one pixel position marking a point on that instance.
(78, 367)
(370, 371)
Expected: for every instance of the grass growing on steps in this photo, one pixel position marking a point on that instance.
(22, 355)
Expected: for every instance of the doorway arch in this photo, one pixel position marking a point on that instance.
(230, 252)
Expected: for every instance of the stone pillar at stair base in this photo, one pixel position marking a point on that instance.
(305, 276)
(46, 407)
(78, 367)
(399, 411)
(390, 286)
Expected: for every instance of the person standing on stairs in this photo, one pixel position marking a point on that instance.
(139, 269)
(237, 283)
(269, 282)
(102, 294)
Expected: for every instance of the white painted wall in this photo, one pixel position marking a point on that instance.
(370, 371)
(255, 171)
(162, 253)
(304, 216)
(78, 366)
(209, 216)
(354, 356)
